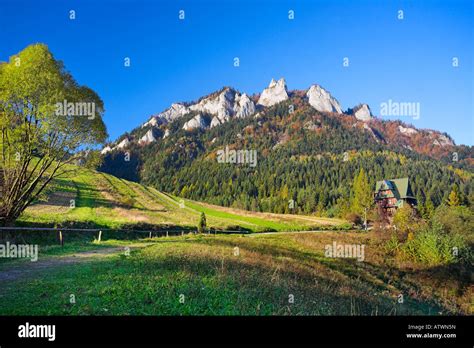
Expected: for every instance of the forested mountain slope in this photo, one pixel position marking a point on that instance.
(305, 150)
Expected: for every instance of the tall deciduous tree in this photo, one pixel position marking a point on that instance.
(37, 140)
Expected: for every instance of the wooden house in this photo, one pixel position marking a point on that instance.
(391, 194)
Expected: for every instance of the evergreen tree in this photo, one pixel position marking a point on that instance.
(202, 223)
(420, 204)
(428, 209)
(284, 192)
(453, 198)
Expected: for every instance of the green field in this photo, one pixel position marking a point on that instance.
(102, 200)
(207, 275)
(129, 273)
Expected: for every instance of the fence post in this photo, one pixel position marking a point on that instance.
(100, 236)
(182, 233)
(166, 233)
(61, 240)
(150, 235)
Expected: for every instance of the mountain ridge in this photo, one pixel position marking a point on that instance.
(301, 153)
(226, 103)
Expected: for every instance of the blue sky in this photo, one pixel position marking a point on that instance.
(407, 60)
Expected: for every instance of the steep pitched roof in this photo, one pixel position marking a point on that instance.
(400, 187)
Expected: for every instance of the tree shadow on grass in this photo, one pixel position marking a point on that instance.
(150, 285)
(91, 197)
(373, 277)
(87, 231)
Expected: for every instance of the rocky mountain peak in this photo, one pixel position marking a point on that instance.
(281, 83)
(362, 113)
(220, 105)
(225, 105)
(175, 111)
(243, 106)
(275, 93)
(321, 100)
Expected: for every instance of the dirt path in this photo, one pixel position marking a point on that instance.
(28, 269)
(256, 234)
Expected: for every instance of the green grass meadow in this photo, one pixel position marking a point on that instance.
(135, 269)
(284, 274)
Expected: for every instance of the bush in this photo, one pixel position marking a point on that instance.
(406, 222)
(354, 218)
(456, 220)
(433, 246)
(393, 245)
(344, 226)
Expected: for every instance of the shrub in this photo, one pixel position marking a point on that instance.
(393, 245)
(406, 221)
(354, 218)
(456, 220)
(344, 226)
(433, 246)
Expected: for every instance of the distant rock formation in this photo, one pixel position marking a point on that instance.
(243, 106)
(175, 111)
(362, 113)
(106, 150)
(275, 93)
(196, 122)
(149, 137)
(321, 100)
(221, 106)
(442, 140)
(123, 144)
(407, 130)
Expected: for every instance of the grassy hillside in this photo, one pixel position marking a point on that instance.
(92, 199)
